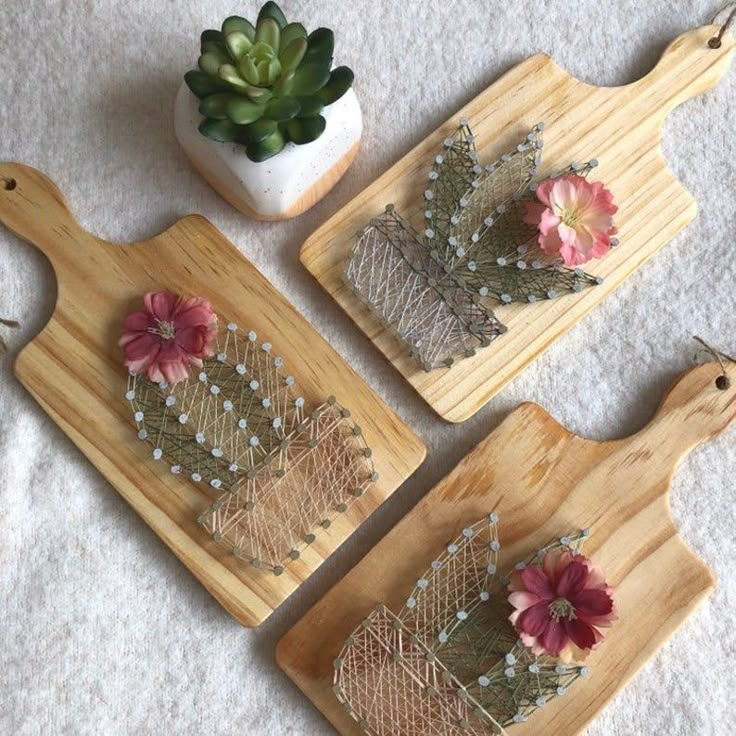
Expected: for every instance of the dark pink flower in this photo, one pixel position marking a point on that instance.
(560, 605)
(169, 336)
(574, 217)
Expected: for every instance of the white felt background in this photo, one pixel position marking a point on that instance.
(102, 631)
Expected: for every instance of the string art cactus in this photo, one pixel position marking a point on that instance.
(282, 469)
(434, 290)
(450, 663)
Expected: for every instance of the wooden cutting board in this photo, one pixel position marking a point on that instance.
(620, 126)
(74, 370)
(545, 482)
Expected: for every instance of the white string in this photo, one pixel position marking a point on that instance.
(281, 470)
(448, 663)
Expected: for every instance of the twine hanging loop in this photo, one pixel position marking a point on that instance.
(717, 40)
(7, 323)
(723, 382)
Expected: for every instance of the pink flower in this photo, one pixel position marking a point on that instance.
(560, 605)
(574, 218)
(171, 334)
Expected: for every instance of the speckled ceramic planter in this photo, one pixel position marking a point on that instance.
(285, 185)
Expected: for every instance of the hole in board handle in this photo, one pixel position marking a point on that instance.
(9, 184)
(722, 382)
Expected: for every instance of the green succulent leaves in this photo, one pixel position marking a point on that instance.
(263, 86)
(304, 130)
(340, 81)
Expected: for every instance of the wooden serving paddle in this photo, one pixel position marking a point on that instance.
(545, 482)
(619, 126)
(74, 370)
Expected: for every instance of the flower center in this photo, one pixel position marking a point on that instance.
(164, 329)
(561, 608)
(570, 217)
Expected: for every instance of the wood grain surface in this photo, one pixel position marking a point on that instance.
(74, 370)
(545, 482)
(620, 126)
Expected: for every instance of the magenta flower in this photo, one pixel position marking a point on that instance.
(169, 336)
(574, 218)
(560, 605)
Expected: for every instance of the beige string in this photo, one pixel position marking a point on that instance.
(716, 41)
(282, 468)
(450, 664)
(7, 323)
(723, 381)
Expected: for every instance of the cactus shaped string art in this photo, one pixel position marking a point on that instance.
(492, 233)
(452, 662)
(280, 468)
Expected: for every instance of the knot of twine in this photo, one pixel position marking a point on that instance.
(717, 40)
(723, 381)
(7, 323)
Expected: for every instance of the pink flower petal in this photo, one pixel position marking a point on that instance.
(551, 243)
(199, 315)
(533, 212)
(534, 620)
(554, 638)
(596, 576)
(191, 339)
(154, 373)
(567, 234)
(601, 246)
(572, 256)
(174, 371)
(543, 192)
(584, 240)
(160, 304)
(535, 581)
(572, 580)
(548, 222)
(141, 345)
(140, 365)
(139, 321)
(563, 195)
(592, 602)
(171, 352)
(533, 643)
(596, 220)
(523, 600)
(580, 633)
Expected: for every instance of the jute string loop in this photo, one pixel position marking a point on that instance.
(7, 323)
(716, 41)
(723, 381)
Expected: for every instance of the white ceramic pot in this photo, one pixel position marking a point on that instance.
(285, 185)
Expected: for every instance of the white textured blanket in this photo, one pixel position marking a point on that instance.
(102, 631)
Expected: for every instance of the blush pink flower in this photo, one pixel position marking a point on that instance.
(169, 336)
(561, 605)
(574, 218)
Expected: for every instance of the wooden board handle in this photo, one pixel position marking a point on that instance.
(33, 208)
(688, 67)
(695, 409)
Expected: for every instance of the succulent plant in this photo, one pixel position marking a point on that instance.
(265, 85)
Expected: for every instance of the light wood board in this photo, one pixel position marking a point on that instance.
(620, 126)
(545, 482)
(74, 369)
